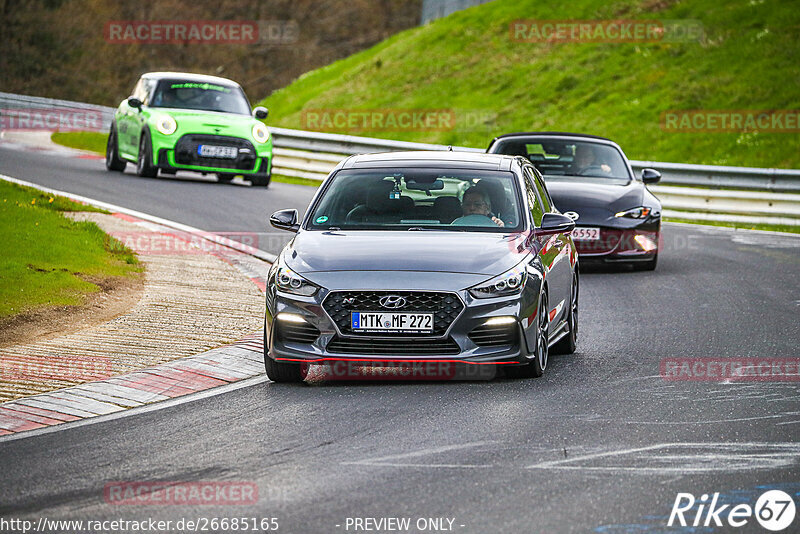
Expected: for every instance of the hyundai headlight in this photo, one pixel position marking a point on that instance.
(166, 125)
(510, 282)
(289, 281)
(260, 132)
(636, 213)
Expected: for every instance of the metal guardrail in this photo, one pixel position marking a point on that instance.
(768, 196)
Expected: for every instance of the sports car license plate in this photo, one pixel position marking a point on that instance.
(391, 322)
(214, 151)
(586, 234)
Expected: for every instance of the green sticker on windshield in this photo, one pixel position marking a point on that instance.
(321, 219)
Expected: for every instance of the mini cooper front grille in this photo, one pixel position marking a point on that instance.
(445, 307)
(297, 332)
(502, 335)
(186, 152)
(393, 347)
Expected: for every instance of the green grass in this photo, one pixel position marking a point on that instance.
(769, 227)
(47, 260)
(467, 62)
(91, 141)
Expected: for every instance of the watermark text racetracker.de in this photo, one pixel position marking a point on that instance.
(51, 119)
(605, 31)
(416, 370)
(192, 493)
(242, 32)
(731, 121)
(732, 369)
(64, 368)
(395, 120)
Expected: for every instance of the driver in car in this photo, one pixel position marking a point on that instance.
(586, 162)
(476, 203)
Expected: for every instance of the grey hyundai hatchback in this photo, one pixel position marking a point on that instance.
(424, 257)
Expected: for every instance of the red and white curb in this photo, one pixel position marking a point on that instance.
(217, 367)
(240, 362)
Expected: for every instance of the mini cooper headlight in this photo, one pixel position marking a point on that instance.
(289, 281)
(260, 132)
(636, 213)
(166, 125)
(510, 282)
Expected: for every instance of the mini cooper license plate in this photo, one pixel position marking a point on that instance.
(214, 151)
(585, 234)
(391, 322)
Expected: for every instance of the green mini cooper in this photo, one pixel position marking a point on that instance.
(175, 121)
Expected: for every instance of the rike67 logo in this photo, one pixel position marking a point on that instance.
(774, 510)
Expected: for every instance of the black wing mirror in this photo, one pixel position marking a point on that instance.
(260, 112)
(285, 220)
(134, 102)
(555, 223)
(650, 176)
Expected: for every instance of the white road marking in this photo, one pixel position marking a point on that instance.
(385, 461)
(698, 458)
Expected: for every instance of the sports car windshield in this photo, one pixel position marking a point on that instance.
(202, 96)
(557, 158)
(452, 200)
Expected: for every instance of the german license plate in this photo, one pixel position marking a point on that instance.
(391, 322)
(585, 234)
(214, 151)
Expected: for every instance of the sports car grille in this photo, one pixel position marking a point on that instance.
(445, 307)
(393, 347)
(186, 152)
(494, 335)
(297, 333)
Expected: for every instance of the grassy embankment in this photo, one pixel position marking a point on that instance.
(47, 260)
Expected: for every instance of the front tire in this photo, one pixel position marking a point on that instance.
(261, 180)
(282, 372)
(568, 343)
(536, 367)
(113, 161)
(649, 265)
(144, 162)
(285, 372)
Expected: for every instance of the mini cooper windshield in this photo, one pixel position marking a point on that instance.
(183, 94)
(419, 199)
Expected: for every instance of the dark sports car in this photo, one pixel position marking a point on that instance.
(617, 219)
(424, 257)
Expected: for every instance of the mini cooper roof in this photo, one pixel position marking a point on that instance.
(201, 78)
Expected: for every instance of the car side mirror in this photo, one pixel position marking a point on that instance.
(285, 220)
(650, 176)
(555, 223)
(260, 112)
(135, 102)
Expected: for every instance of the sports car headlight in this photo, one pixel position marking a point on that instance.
(636, 213)
(289, 281)
(166, 125)
(510, 282)
(260, 132)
